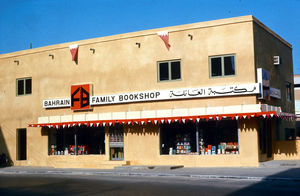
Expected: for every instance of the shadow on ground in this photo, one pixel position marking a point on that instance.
(278, 184)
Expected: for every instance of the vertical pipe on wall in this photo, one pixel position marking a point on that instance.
(197, 137)
(159, 141)
(238, 134)
(75, 141)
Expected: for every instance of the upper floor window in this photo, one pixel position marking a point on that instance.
(24, 86)
(169, 70)
(222, 65)
(288, 88)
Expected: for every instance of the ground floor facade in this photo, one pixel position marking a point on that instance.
(211, 140)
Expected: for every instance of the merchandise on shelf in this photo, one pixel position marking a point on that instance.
(183, 145)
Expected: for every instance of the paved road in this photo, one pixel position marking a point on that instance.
(120, 185)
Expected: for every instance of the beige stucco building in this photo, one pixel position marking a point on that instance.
(220, 95)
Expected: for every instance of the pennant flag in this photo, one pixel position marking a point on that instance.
(74, 51)
(164, 35)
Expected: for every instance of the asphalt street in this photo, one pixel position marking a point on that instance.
(39, 184)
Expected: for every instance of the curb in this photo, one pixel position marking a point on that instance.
(140, 174)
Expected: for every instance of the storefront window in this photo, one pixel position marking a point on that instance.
(205, 138)
(178, 138)
(290, 134)
(89, 140)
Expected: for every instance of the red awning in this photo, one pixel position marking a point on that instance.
(183, 119)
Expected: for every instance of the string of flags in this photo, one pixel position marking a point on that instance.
(166, 120)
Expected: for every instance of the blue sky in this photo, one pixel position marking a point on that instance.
(48, 22)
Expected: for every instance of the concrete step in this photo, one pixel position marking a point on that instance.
(97, 165)
(280, 163)
(147, 167)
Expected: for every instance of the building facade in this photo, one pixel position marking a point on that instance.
(208, 94)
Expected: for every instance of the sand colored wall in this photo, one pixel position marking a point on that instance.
(287, 150)
(142, 148)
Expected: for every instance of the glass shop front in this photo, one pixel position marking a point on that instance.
(203, 138)
(89, 140)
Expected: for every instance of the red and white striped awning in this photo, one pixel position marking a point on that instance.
(183, 119)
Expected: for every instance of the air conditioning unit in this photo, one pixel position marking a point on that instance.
(276, 60)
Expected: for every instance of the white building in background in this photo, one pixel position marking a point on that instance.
(297, 104)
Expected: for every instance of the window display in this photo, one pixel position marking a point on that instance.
(178, 138)
(83, 141)
(218, 137)
(214, 137)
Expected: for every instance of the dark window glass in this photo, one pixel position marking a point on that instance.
(229, 68)
(28, 86)
(288, 91)
(217, 137)
(175, 70)
(163, 71)
(290, 134)
(90, 140)
(216, 67)
(20, 87)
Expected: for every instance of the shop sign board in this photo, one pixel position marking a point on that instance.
(263, 78)
(57, 103)
(275, 93)
(188, 93)
(81, 98)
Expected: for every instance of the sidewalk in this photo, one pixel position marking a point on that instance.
(288, 171)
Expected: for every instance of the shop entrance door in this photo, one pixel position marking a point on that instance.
(269, 139)
(116, 143)
(265, 137)
(21, 144)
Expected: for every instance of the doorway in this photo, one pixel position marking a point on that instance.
(116, 143)
(21, 144)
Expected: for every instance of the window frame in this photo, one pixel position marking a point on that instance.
(24, 83)
(222, 66)
(169, 71)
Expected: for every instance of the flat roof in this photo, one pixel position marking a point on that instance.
(199, 25)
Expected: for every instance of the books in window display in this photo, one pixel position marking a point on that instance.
(183, 147)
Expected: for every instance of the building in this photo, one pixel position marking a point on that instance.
(297, 104)
(208, 94)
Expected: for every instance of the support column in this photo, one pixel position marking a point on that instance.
(197, 137)
(75, 140)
